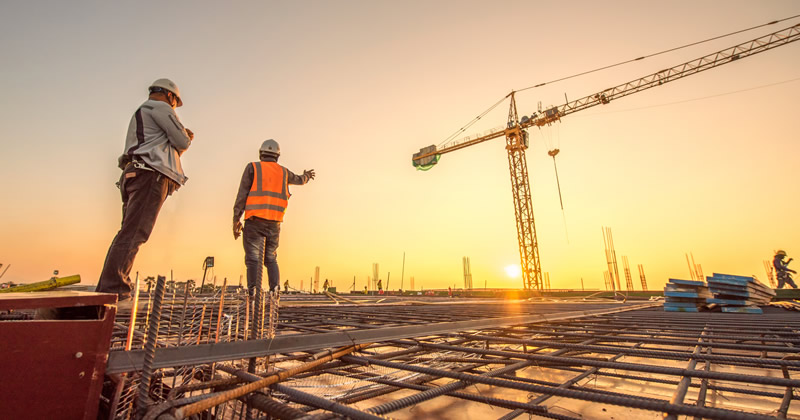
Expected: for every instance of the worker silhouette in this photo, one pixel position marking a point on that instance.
(782, 269)
(286, 286)
(263, 197)
(325, 286)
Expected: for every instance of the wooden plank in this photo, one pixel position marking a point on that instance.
(54, 299)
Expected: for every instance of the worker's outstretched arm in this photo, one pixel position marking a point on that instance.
(300, 179)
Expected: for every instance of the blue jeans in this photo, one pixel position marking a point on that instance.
(260, 240)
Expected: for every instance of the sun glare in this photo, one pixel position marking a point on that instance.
(513, 271)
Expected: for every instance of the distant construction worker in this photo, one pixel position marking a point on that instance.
(782, 269)
(151, 171)
(380, 287)
(365, 290)
(325, 286)
(263, 197)
(286, 286)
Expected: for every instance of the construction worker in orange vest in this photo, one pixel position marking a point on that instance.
(263, 197)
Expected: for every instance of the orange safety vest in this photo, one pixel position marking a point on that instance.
(269, 194)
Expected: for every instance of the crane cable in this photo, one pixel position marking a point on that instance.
(552, 139)
(553, 153)
(659, 53)
(473, 121)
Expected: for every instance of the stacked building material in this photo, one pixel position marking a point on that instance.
(685, 295)
(739, 293)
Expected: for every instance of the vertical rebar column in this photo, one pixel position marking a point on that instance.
(200, 325)
(274, 303)
(258, 313)
(168, 329)
(642, 278)
(182, 370)
(123, 378)
(183, 314)
(150, 348)
(262, 314)
(219, 320)
(627, 270)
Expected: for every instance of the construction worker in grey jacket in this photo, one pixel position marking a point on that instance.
(151, 171)
(263, 197)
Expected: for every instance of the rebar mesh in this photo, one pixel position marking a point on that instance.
(568, 368)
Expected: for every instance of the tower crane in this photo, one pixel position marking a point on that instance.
(516, 135)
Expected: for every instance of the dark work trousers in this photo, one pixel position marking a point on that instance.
(261, 248)
(785, 277)
(143, 193)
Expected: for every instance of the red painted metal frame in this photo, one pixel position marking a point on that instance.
(53, 369)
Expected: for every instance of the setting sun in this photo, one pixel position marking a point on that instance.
(513, 271)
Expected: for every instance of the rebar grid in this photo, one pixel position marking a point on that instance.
(710, 365)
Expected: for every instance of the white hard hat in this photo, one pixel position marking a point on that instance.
(271, 147)
(167, 85)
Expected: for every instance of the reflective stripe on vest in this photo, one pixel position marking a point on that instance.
(269, 194)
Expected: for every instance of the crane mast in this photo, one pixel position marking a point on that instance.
(516, 144)
(517, 136)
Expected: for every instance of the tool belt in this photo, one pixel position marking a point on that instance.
(126, 160)
(141, 165)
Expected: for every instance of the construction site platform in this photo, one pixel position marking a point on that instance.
(408, 357)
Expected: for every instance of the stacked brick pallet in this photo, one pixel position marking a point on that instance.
(738, 293)
(685, 295)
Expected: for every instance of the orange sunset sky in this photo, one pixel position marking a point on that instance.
(707, 164)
